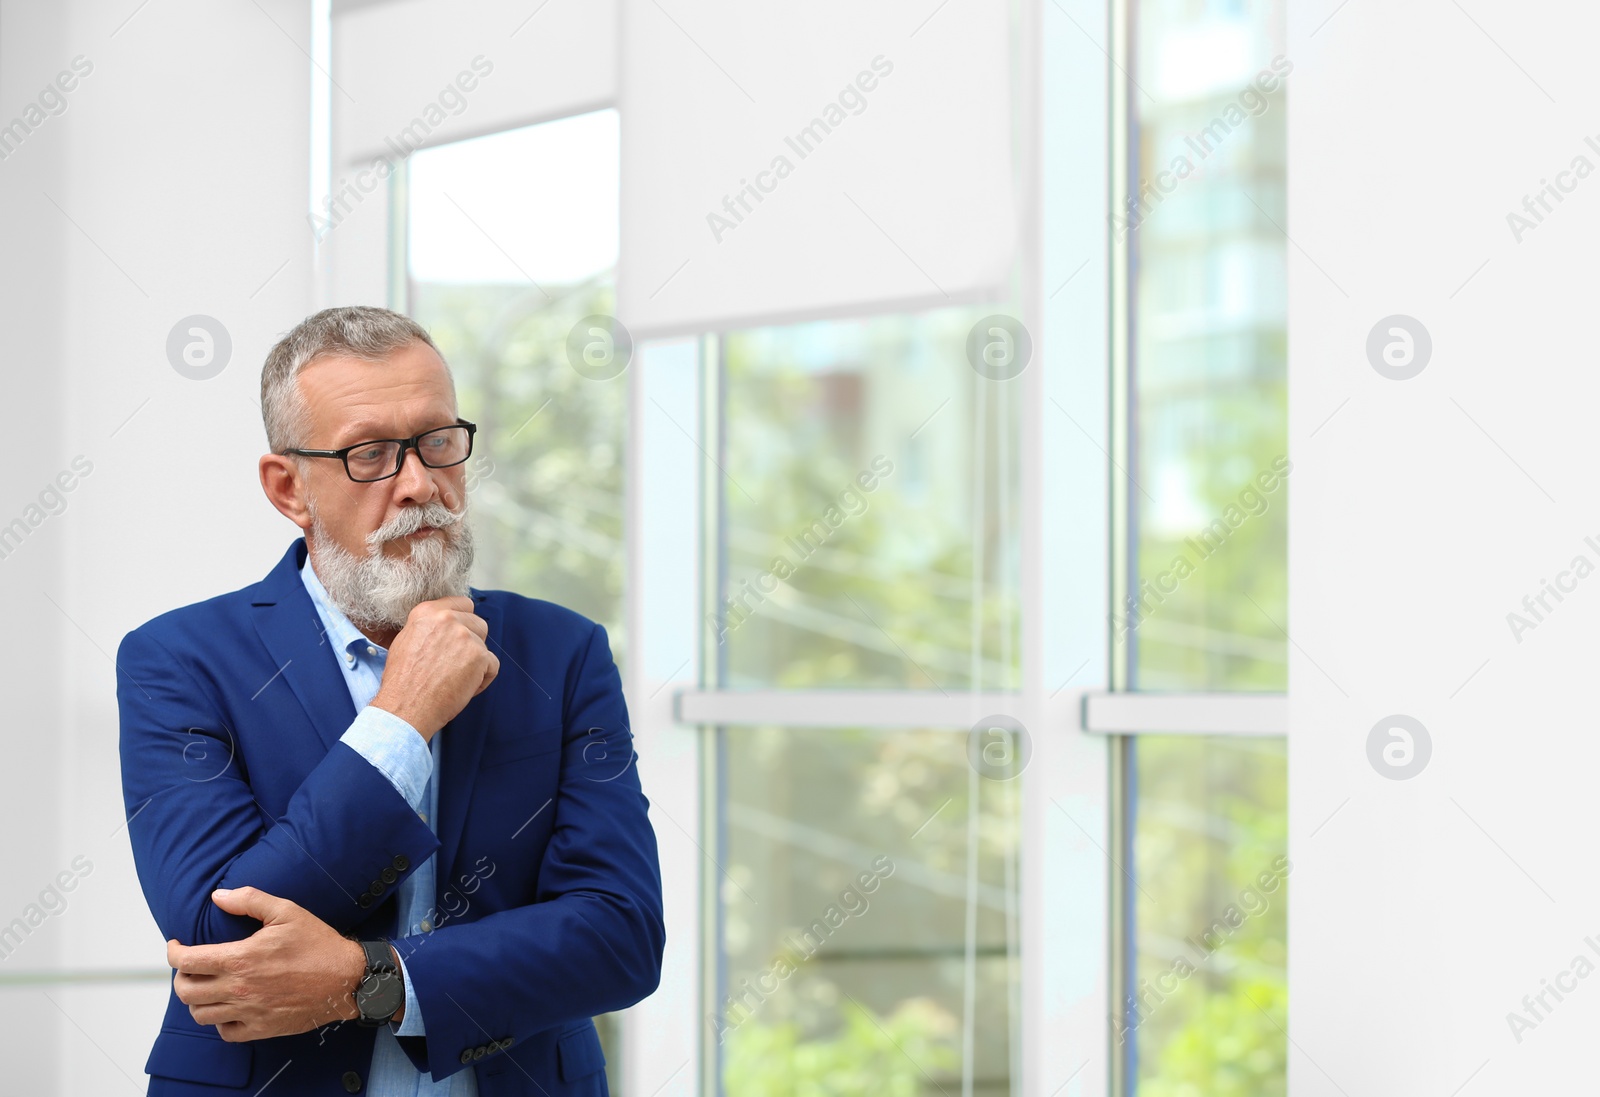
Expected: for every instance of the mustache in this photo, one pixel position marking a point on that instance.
(411, 519)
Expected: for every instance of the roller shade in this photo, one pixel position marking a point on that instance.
(416, 73)
(787, 162)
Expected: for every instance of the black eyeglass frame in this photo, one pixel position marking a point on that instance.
(400, 462)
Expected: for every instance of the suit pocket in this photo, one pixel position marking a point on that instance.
(516, 747)
(579, 1053)
(190, 1057)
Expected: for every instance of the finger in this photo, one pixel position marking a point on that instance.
(450, 603)
(199, 990)
(478, 626)
(200, 959)
(214, 1014)
(254, 903)
(491, 672)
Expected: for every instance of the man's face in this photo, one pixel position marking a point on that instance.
(352, 401)
(382, 547)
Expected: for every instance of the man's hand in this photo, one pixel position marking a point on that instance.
(437, 663)
(294, 974)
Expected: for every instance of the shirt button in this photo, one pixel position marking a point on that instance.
(427, 926)
(371, 650)
(423, 816)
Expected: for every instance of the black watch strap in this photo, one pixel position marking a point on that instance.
(380, 992)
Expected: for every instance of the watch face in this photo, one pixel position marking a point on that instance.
(380, 996)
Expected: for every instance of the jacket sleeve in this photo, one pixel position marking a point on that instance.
(592, 939)
(342, 845)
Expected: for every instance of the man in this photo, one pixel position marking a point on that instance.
(390, 825)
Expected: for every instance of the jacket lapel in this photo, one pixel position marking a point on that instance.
(288, 625)
(462, 747)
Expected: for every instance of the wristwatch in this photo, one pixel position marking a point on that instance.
(381, 992)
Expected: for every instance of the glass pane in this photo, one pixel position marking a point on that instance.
(1209, 348)
(871, 528)
(868, 915)
(1210, 990)
(1207, 609)
(512, 242)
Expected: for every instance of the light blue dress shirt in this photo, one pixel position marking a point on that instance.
(400, 754)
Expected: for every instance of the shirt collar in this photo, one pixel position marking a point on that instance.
(340, 630)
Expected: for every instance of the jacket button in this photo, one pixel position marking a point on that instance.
(479, 1052)
(388, 876)
(352, 1082)
(466, 1056)
(376, 887)
(402, 862)
(365, 900)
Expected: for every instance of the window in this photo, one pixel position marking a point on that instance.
(870, 529)
(846, 548)
(866, 914)
(869, 918)
(1205, 1006)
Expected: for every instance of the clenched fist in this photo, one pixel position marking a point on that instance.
(437, 663)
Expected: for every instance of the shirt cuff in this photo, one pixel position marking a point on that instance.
(395, 748)
(411, 1023)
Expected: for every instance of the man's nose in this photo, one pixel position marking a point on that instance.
(415, 479)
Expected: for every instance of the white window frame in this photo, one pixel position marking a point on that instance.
(1065, 594)
(1074, 566)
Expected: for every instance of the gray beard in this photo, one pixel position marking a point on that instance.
(380, 592)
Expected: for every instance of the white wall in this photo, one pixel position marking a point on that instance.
(1424, 510)
(32, 45)
(174, 183)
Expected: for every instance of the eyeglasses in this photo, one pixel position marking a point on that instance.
(366, 462)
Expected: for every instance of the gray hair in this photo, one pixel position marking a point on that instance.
(357, 331)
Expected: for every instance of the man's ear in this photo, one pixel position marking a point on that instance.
(285, 488)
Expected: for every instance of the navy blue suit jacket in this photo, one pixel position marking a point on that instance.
(549, 888)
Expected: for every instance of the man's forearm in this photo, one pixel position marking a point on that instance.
(341, 830)
(322, 849)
